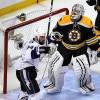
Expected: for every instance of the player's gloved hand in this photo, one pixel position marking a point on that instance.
(91, 2)
(97, 8)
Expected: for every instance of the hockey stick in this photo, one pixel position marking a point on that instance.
(49, 22)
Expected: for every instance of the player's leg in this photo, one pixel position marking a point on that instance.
(31, 76)
(23, 93)
(56, 73)
(34, 87)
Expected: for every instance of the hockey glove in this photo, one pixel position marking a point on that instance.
(91, 2)
(92, 56)
(97, 8)
(56, 36)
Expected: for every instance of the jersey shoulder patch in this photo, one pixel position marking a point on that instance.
(64, 20)
(86, 21)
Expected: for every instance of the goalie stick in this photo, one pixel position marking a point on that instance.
(49, 22)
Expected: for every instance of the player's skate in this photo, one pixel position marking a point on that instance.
(36, 96)
(84, 90)
(32, 97)
(48, 84)
(53, 90)
(23, 96)
(91, 87)
(87, 89)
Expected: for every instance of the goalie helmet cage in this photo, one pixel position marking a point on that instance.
(65, 10)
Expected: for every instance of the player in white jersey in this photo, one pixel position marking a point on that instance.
(26, 70)
(26, 67)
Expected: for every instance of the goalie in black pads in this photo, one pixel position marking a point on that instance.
(74, 34)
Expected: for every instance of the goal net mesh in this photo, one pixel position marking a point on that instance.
(34, 19)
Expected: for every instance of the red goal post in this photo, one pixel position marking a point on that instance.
(18, 26)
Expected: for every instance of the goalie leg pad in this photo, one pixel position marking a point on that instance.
(82, 71)
(87, 89)
(55, 72)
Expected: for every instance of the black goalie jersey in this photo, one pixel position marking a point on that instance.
(76, 36)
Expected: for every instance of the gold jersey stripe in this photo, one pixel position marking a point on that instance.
(91, 39)
(73, 47)
(92, 42)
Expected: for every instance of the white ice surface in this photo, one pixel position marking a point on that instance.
(89, 11)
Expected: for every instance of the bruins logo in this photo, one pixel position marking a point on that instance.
(74, 35)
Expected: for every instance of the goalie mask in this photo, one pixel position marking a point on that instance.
(77, 12)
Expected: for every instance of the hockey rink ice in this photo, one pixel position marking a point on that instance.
(69, 92)
(70, 89)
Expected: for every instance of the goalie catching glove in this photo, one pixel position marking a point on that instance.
(92, 56)
(91, 2)
(56, 36)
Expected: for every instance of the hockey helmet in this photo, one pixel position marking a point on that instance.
(40, 35)
(77, 12)
(40, 31)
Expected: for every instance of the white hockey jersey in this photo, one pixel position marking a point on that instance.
(26, 59)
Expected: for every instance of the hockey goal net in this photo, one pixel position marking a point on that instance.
(8, 76)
